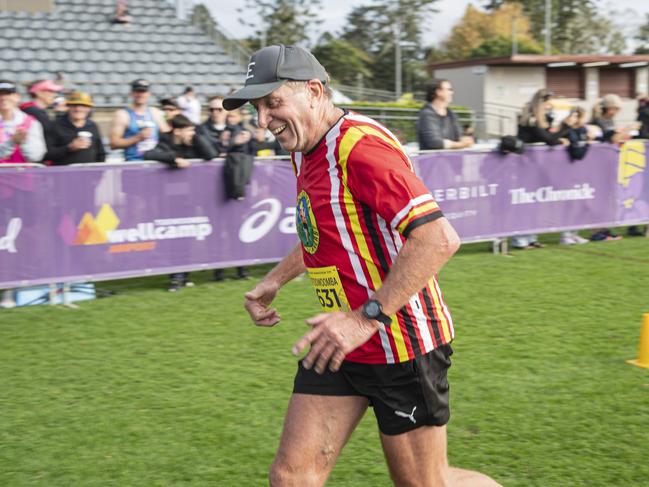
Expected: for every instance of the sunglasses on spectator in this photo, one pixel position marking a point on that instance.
(212, 109)
(169, 109)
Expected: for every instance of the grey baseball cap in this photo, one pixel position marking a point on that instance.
(270, 68)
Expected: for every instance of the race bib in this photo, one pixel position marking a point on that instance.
(329, 288)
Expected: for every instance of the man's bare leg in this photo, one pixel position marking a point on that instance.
(316, 429)
(418, 459)
(466, 478)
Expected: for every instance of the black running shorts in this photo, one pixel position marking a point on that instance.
(404, 396)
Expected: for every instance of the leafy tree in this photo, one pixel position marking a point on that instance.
(583, 29)
(342, 60)
(578, 26)
(483, 32)
(592, 33)
(643, 37)
(533, 9)
(374, 29)
(501, 46)
(279, 21)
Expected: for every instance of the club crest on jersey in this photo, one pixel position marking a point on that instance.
(307, 229)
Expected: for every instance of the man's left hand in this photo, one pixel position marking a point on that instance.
(332, 337)
(241, 138)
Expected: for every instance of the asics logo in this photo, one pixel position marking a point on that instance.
(8, 242)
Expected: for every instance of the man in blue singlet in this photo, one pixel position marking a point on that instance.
(136, 128)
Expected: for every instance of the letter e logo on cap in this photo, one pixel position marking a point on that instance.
(250, 74)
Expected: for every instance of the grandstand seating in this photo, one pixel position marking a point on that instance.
(78, 39)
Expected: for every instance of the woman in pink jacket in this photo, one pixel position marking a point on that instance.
(21, 135)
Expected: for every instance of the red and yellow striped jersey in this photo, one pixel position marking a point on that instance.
(358, 199)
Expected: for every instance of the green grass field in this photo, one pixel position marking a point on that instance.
(149, 388)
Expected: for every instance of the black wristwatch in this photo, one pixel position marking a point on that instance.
(372, 310)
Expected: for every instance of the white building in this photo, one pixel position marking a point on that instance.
(497, 88)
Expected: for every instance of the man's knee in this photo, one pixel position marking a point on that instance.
(416, 479)
(282, 474)
(468, 478)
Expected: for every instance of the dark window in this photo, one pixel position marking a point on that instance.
(620, 81)
(565, 82)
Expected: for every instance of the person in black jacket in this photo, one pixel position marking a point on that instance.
(181, 144)
(574, 129)
(43, 93)
(535, 123)
(75, 138)
(237, 136)
(169, 108)
(175, 149)
(236, 141)
(643, 117)
(437, 126)
(215, 124)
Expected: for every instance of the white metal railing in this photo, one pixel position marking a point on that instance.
(21, 165)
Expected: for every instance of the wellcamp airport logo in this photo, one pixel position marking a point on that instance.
(8, 242)
(104, 229)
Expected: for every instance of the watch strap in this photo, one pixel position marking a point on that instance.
(379, 316)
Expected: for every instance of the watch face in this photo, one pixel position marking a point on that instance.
(372, 308)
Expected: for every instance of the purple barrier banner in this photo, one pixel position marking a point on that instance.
(486, 195)
(102, 222)
(97, 222)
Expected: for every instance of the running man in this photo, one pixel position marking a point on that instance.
(372, 239)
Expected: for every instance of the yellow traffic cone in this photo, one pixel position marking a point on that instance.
(643, 348)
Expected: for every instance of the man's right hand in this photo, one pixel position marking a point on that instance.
(19, 136)
(241, 138)
(466, 141)
(182, 163)
(257, 304)
(146, 133)
(79, 143)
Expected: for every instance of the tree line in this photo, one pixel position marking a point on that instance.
(363, 51)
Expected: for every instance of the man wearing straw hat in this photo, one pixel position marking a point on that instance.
(76, 139)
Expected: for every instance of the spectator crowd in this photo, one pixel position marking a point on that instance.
(438, 128)
(28, 133)
(174, 132)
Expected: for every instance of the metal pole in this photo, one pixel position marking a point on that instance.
(397, 58)
(359, 85)
(548, 27)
